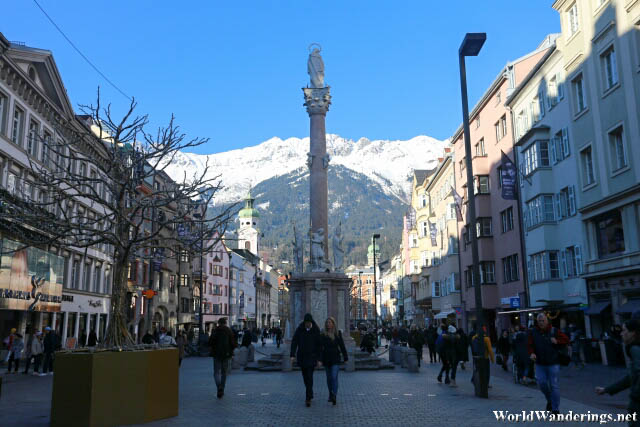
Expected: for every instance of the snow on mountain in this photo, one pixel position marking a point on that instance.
(389, 163)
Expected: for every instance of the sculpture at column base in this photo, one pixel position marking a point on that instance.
(318, 263)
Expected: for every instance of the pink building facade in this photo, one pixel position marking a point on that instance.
(498, 220)
(216, 284)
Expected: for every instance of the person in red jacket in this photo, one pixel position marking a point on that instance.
(544, 343)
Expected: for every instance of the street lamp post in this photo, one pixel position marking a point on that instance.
(471, 46)
(359, 298)
(375, 285)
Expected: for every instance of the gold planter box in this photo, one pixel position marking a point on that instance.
(114, 388)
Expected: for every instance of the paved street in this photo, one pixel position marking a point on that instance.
(364, 398)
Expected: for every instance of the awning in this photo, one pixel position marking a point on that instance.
(444, 314)
(630, 306)
(597, 308)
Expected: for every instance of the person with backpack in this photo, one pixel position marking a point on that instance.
(481, 346)
(631, 338)
(222, 345)
(416, 341)
(462, 348)
(545, 346)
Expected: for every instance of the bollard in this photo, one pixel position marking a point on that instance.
(350, 366)
(240, 358)
(252, 353)
(392, 351)
(286, 363)
(403, 357)
(412, 360)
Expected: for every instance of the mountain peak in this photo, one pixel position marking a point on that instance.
(383, 161)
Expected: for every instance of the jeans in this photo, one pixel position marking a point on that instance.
(547, 377)
(332, 378)
(307, 376)
(220, 372)
(432, 353)
(48, 363)
(445, 367)
(454, 367)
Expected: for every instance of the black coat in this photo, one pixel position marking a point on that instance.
(432, 335)
(462, 345)
(331, 349)
(416, 340)
(503, 346)
(306, 346)
(222, 342)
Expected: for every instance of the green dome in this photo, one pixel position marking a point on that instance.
(248, 213)
(370, 249)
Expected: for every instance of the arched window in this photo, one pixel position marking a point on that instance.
(247, 245)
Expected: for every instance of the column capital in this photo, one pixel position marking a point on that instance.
(317, 100)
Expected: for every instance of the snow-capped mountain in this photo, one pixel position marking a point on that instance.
(388, 163)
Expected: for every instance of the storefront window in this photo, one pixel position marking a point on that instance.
(71, 324)
(609, 234)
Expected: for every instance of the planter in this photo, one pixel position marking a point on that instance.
(114, 388)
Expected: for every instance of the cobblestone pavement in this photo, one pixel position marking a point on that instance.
(365, 398)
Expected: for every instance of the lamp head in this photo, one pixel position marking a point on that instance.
(376, 236)
(472, 44)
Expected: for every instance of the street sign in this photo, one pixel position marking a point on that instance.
(515, 302)
(149, 293)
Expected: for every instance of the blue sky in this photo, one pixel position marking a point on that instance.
(232, 71)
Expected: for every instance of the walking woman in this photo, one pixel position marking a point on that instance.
(332, 345)
(631, 338)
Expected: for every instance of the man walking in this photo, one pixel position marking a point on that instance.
(222, 345)
(50, 346)
(305, 347)
(544, 343)
(432, 335)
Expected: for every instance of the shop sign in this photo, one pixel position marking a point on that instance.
(30, 278)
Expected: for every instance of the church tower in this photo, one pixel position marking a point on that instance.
(248, 235)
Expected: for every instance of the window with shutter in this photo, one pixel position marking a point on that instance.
(552, 151)
(572, 200)
(578, 255)
(565, 270)
(560, 87)
(565, 143)
(558, 205)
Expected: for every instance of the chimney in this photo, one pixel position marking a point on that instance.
(447, 150)
(440, 159)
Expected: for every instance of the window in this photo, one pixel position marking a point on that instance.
(540, 107)
(539, 210)
(184, 280)
(477, 122)
(544, 266)
(32, 140)
(97, 273)
(461, 166)
(453, 245)
(609, 234)
(572, 261)
(4, 107)
(75, 274)
(559, 146)
(487, 272)
(501, 128)
(424, 229)
(580, 102)
(184, 256)
(510, 268)
(573, 21)
(46, 143)
(535, 156)
(413, 240)
(217, 270)
(610, 68)
(555, 90)
(480, 152)
(482, 184)
(16, 127)
(185, 305)
(172, 283)
(506, 217)
(483, 227)
(565, 202)
(436, 291)
(618, 154)
(587, 166)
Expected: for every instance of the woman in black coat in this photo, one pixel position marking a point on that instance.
(332, 345)
(631, 339)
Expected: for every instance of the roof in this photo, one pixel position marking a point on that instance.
(248, 255)
(421, 174)
(548, 42)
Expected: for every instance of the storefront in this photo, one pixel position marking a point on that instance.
(82, 313)
(30, 287)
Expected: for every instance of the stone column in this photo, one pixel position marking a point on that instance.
(77, 326)
(317, 101)
(65, 326)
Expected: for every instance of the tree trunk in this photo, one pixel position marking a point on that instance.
(117, 334)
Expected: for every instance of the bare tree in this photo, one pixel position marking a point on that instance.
(96, 187)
